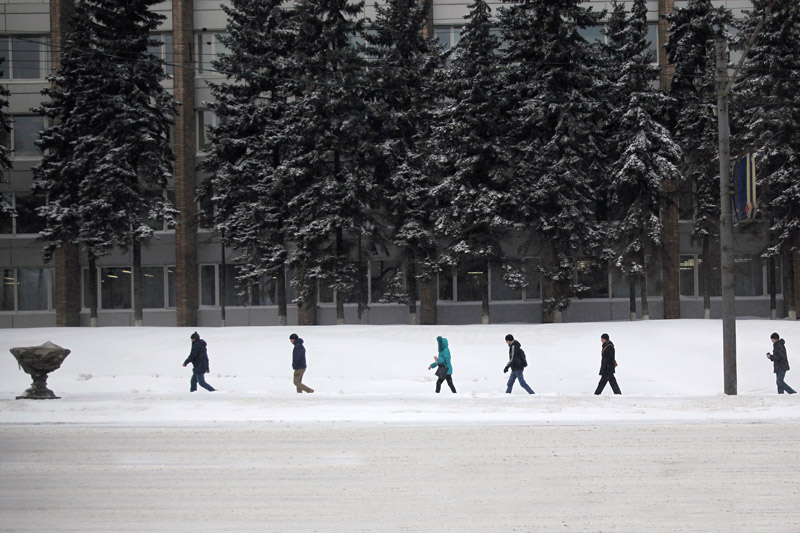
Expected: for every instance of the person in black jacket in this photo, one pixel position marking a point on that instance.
(299, 363)
(608, 365)
(780, 363)
(517, 363)
(199, 359)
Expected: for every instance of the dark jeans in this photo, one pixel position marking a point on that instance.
(200, 377)
(449, 379)
(608, 379)
(782, 386)
(517, 375)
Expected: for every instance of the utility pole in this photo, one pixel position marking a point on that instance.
(726, 221)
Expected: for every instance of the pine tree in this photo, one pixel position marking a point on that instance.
(107, 155)
(399, 72)
(330, 159)
(646, 155)
(247, 189)
(554, 84)
(5, 129)
(767, 113)
(690, 48)
(477, 209)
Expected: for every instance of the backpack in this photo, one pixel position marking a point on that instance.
(522, 357)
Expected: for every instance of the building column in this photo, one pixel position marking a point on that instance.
(670, 258)
(68, 270)
(186, 275)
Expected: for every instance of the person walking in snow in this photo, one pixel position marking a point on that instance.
(780, 363)
(608, 363)
(517, 363)
(299, 363)
(200, 367)
(445, 370)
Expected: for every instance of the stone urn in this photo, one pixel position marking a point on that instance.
(38, 361)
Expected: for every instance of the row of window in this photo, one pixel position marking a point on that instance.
(31, 289)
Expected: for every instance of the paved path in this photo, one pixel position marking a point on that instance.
(737, 477)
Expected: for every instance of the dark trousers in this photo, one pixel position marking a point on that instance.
(449, 379)
(608, 379)
(517, 375)
(782, 386)
(298, 381)
(200, 377)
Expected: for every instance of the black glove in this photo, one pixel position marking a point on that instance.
(505, 369)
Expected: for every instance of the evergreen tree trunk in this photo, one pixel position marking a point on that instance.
(92, 291)
(643, 290)
(428, 296)
(771, 287)
(548, 291)
(705, 271)
(632, 297)
(281, 290)
(796, 282)
(307, 310)
(339, 293)
(485, 318)
(411, 286)
(138, 284)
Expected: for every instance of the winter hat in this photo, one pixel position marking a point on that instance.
(293, 336)
(775, 336)
(194, 336)
(604, 336)
(509, 337)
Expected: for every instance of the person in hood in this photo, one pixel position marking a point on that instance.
(608, 364)
(517, 363)
(200, 367)
(445, 370)
(780, 363)
(299, 363)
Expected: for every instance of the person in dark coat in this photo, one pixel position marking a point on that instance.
(608, 363)
(200, 367)
(517, 364)
(445, 370)
(780, 363)
(299, 363)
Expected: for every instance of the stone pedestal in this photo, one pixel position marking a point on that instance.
(38, 361)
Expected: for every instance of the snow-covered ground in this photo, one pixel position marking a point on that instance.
(668, 371)
(129, 448)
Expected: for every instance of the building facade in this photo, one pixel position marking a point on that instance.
(187, 281)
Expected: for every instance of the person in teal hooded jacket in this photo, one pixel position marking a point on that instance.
(443, 360)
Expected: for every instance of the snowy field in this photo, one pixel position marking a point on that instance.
(128, 448)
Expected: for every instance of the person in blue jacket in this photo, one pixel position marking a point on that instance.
(299, 363)
(200, 367)
(443, 361)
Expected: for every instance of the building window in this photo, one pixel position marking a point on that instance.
(209, 48)
(715, 284)
(748, 275)
(172, 292)
(115, 288)
(205, 119)
(23, 218)
(448, 36)
(499, 290)
(26, 58)
(592, 276)
(534, 278)
(164, 50)
(24, 134)
(688, 275)
(446, 283)
(208, 285)
(593, 34)
(26, 289)
(153, 287)
(383, 280)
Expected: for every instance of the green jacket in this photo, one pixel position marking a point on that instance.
(444, 355)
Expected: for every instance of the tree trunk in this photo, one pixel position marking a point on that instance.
(705, 271)
(632, 297)
(281, 290)
(428, 297)
(339, 261)
(138, 284)
(771, 287)
(643, 290)
(92, 291)
(789, 288)
(485, 318)
(411, 285)
(223, 281)
(307, 309)
(548, 287)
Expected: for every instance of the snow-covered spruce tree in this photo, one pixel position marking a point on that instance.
(476, 206)
(5, 130)
(107, 156)
(690, 48)
(330, 154)
(554, 90)
(399, 73)
(767, 117)
(248, 192)
(646, 155)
